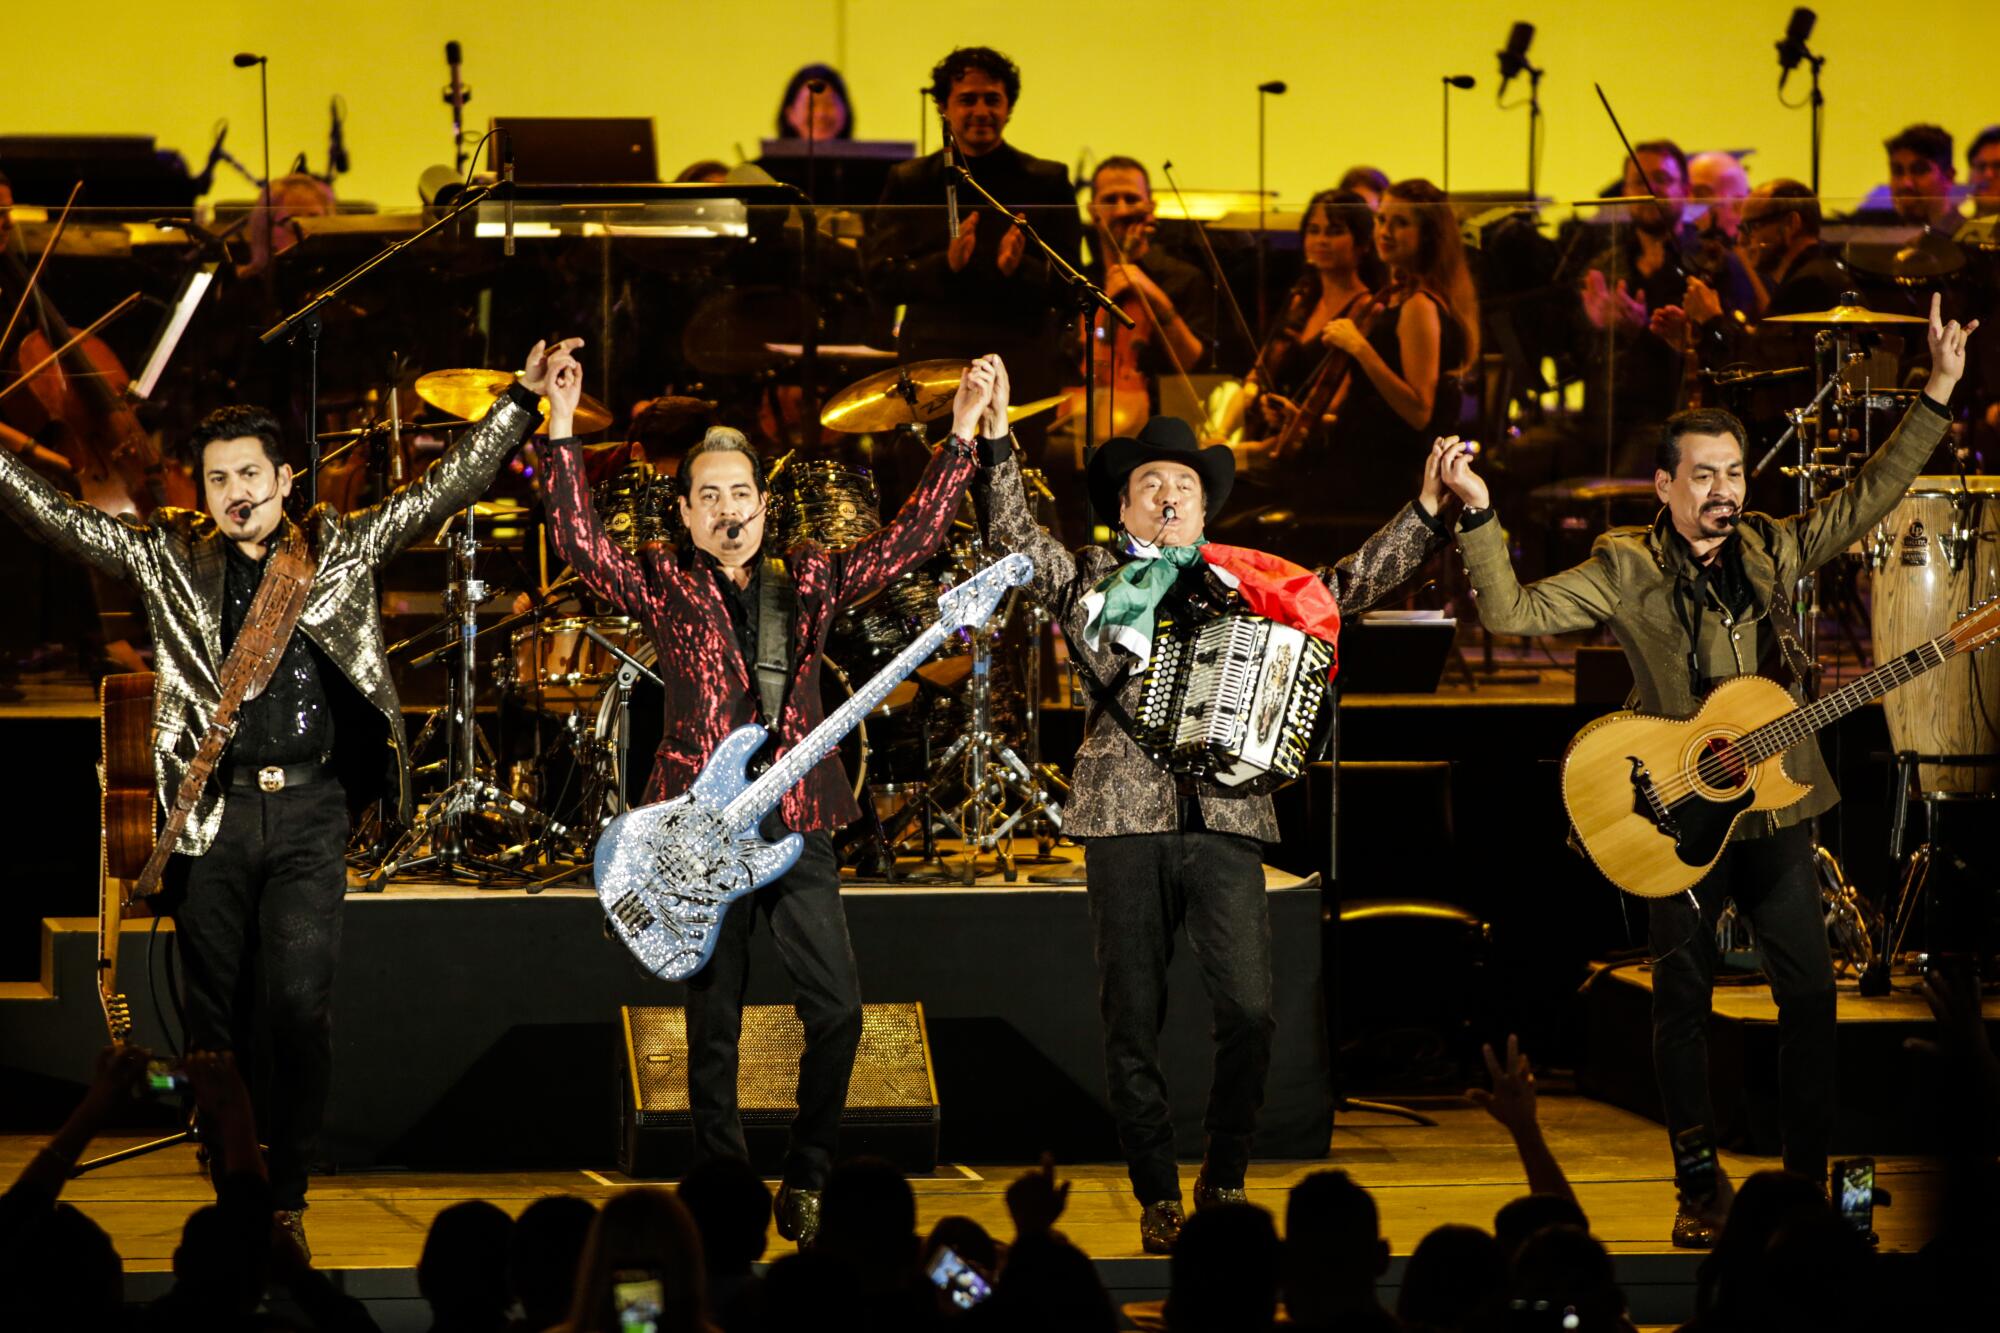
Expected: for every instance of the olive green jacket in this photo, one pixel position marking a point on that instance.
(1640, 582)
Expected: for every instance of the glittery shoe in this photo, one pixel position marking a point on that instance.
(1207, 1195)
(1160, 1226)
(1697, 1222)
(798, 1215)
(291, 1222)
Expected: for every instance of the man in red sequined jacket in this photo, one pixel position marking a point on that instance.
(740, 633)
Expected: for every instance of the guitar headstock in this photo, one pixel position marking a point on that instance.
(1977, 628)
(972, 602)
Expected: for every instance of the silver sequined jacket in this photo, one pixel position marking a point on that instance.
(177, 560)
(1116, 788)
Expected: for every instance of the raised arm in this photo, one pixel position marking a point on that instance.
(72, 527)
(919, 527)
(460, 477)
(579, 537)
(1400, 548)
(1574, 599)
(1002, 504)
(1832, 525)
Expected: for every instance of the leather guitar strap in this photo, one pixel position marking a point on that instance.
(253, 658)
(776, 600)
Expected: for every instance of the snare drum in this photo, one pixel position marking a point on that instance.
(1936, 555)
(561, 666)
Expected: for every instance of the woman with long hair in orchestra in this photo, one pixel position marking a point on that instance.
(1341, 273)
(1408, 362)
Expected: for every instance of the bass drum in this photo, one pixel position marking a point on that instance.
(630, 724)
(1936, 556)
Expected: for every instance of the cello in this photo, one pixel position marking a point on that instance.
(76, 401)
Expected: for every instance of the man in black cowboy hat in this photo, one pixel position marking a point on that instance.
(1161, 850)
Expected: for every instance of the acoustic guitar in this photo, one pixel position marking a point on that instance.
(128, 812)
(1653, 799)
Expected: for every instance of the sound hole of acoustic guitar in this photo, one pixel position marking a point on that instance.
(1720, 764)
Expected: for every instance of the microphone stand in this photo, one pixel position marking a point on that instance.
(1086, 295)
(1818, 112)
(306, 322)
(1535, 126)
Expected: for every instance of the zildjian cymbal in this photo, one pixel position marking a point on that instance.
(1845, 314)
(468, 393)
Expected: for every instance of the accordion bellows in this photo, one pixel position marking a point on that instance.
(1234, 700)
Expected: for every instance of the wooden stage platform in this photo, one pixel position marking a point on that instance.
(368, 1227)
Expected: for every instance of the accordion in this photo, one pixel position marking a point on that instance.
(1235, 700)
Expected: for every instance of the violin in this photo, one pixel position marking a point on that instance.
(1125, 395)
(1327, 380)
(78, 404)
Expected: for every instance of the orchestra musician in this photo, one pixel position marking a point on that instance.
(1341, 275)
(1162, 850)
(1636, 375)
(1176, 299)
(260, 873)
(980, 290)
(1407, 367)
(740, 630)
(1699, 596)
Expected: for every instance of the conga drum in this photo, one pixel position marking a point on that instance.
(1936, 555)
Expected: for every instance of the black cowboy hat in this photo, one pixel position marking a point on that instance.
(1162, 438)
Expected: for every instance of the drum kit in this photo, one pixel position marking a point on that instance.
(952, 751)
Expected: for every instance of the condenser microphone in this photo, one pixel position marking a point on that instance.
(735, 529)
(1792, 49)
(1514, 60)
(1461, 80)
(1272, 86)
(244, 60)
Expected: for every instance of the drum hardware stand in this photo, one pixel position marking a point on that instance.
(1900, 910)
(993, 773)
(441, 826)
(921, 806)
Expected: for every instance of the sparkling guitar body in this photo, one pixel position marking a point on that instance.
(667, 872)
(681, 855)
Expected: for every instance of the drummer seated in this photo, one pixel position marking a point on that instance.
(1780, 239)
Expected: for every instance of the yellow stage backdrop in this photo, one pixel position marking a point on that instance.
(1171, 79)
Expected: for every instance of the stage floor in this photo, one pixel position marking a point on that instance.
(370, 1226)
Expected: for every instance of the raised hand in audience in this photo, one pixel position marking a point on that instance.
(1036, 1200)
(1511, 1101)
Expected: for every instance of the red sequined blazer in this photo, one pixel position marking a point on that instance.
(710, 689)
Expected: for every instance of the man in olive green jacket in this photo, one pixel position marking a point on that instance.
(1700, 596)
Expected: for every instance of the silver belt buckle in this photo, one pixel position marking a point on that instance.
(271, 778)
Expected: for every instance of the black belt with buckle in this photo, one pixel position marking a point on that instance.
(275, 777)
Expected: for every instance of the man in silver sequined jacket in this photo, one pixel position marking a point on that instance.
(257, 884)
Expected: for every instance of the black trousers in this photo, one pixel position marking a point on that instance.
(1774, 886)
(258, 920)
(1143, 888)
(809, 926)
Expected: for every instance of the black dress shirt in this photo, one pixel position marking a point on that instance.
(290, 722)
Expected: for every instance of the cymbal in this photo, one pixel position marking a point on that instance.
(1019, 411)
(1845, 314)
(468, 393)
(899, 396)
(1925, 255)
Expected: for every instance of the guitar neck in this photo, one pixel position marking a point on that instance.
(779, 778)
(1781, 734)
